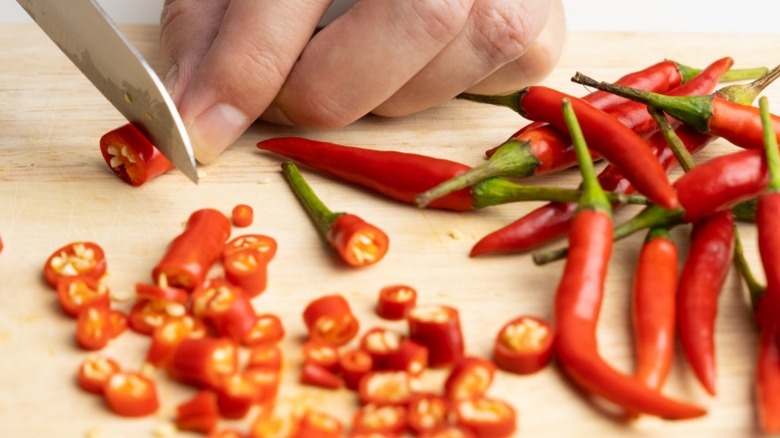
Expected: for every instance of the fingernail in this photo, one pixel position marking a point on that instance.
(215, 129)
(170, 80)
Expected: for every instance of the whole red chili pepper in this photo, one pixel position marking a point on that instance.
(606, 136)
(355, 240)
(718, 114)
(131, 156)
(578, 300)
(653, 309)
(192, 253)
(515, 157)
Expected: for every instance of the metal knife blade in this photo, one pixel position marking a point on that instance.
(84, 32)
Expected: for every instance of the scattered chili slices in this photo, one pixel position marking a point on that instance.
(523, 345)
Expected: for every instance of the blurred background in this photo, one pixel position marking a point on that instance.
(745, 16)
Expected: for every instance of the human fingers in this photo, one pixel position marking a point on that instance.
(244, 68)
(366, 55)
(506, 44)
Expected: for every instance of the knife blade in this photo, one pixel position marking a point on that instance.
(93, 42)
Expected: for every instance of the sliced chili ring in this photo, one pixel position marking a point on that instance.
(470, 377)
(523, 345)
(266, 380)
(274, 426)
(78, 292)
(204, 361)
(381, 343)
(78, 258)
(358, 242)
(373, 418)
(131, 394)
(147, 315)
(268, 329)
(316, 375)
(161, 291)
(265, 356)
(486, 417)
(225, 308)
(383, 388)
(395, 301)
(265, 245)
(95, 371)
(117, 322)
(330, 319)
(427, 412)
(320, 425)
(354, 364)
(93, 327)
(248, 270)
(131, 156)
(242, 215)
(447, 431)
(236, 395)
(437, 327)
(410, 357)
(321, 353)
(198, 414)
(166, 338)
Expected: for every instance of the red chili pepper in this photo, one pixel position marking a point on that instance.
(131, 156)
(79, 292)
(355, 240)
(447, 431)
(95, 371)
(381, 343)
(161, 292)
(265, 245)
(410, 357)
(147, 315)
(320, 425)
(523, 345)
(354, 364)
(382, 388)
(427, 412)
(267, 381)
(267, 330)
(653, 308)
(265, 357)
(204, 361)
(437, 327)
(330, 319)
(242, 215)
(93, 327)
(395, 301)
(225, 307)
(768, 380)
(321, 353)
(78, 258)
(578, 300)
(166, 338)
(247, 269)
(236, 395)
(191, 254)
(386, 419)
(317, 375)
(486, 417)
(198, 414)
(131, 394)
(117, 322)
(273, 426)
(469, 378)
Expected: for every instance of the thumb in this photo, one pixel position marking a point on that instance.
(244, 68)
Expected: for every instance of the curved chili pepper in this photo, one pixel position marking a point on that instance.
(355, 240)
(578, 300)
(722, 113)
(192, 253)
(701, 278)
(653, 309)
(131, 156)
(512, 158)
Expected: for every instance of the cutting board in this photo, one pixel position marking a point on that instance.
(55, 188)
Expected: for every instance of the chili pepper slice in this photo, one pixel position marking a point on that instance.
(437, 327)
(117, 322)
(93, 327)
(131, 156)
(353, 365)
(381, 343)
(236, 395)
(265, 357)
(320, 425)
(268, 329)
(274, 426)
(131, 394)
(321, 353)
(267, 381)
(225, 307)
(147, 315)
(371, 418)
(330, 319)
(204, 361)
(486, 417)
(410, 357)
(469, 378)
(315, 374)
(385, 388)
(95, 371)
(356, 241)
(578, 299)
(395, 301)
(166, 337)
(523, 345)
(447, 431)
(261, 243)
(198, 414)
(242, 215)
(427, 412)
(79, 292)
(653, 308)
(85, 259)
(247, 269)
(191, 254)
(161, 292)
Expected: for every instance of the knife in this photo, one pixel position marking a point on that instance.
(84, 32)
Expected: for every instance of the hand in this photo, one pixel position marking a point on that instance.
(233, 61)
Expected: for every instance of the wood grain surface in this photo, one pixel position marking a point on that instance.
(55, 188)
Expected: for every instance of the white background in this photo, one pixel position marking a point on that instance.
(744, 16)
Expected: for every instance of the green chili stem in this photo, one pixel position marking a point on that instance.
(743, 74)
(770, 145)
(745, 211)
(511, 100)
(320, 214)
(746, 93)
(675, 144)
(513, 158)
(755, 287)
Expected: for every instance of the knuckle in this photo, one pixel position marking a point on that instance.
(503, 33)
(323, 111)
(441, 20)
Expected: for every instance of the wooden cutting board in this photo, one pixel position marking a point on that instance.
(55, 188)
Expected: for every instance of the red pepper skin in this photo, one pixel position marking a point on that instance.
(166, 338)
(701, 279)
(577, 305)
(330, 319)
(321, 353)
(767, 213)
(653, 309)
(410, 357)
(225, 307)
(136, 399)
(737, 123)
(242, 215)
(523, 345)
(469, 378)
(400, 176)
(317, 424)
(354, 364)
(768, 380)
(395, 301)
(198, 414)
(721, 183)
(248, 270)
(131, 156)
(267, 357)
(267, 331)
(382, 344)
(76, 258)
(236, 395)
(204, 361)
(93, 327)
(315, 374)
(192, 253)
(358, 242)
(95, 371)
(438, 329)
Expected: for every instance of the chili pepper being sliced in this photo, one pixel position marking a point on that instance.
(320, 425)
(242, 215)
(247, 269)
(86, 259)
(265, 357)
(437, 327)
(166, 338)
(191, 254)
(204, 361)
(427, 412)
(653, 307)
(578, 299)
(131, 394)
(410, 357)
(314, 374)
(486, 417)
(516, 157)
(225, 307)
(383, 388)
(386, 419)
(395, 301)
(523, 345)
(267, 330)
(93, 327)
(330, 319)
(95, 371)
(199, 413)
(723, 113)
(353, 365)
(131, 156)
(79, 292)
(355, 240)
(470, 377)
